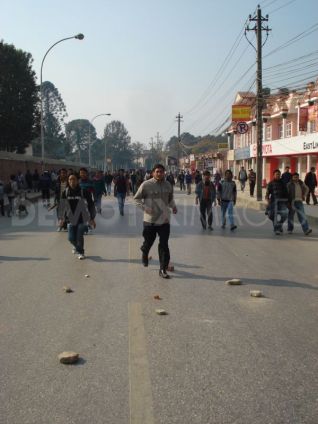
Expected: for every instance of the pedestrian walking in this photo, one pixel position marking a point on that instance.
(155, 198)
(252, 181)
(205, 195)
(99, 190)
(10, 190)
(197, 177)
(108, 182)
(45, 184)
(226, 194)
(297, 192)
(286, 176)
(311, 183)
(121, 190)
(242, 178)
(77, 206)
(188, 180)
(35, 180)
(60, 186)
(86, 183)
(133, 182)
(181, 177)
(170, 178)
(277, 199)
(28, 180)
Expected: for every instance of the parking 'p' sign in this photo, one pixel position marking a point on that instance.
(242, 127)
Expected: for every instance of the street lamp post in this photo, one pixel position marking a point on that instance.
(78, 37)
(89, 138)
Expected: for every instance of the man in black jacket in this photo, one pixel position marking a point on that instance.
(311, 183)
(277, 200)
(78, 207)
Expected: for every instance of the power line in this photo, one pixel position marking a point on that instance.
(281, 7)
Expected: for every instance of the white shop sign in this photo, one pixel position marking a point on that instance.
(288, 146)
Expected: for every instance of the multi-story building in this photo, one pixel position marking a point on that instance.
(290, 132)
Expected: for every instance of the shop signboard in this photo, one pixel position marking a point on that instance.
(223, 146)
(241, 113)
(243, 153)
(292, 146)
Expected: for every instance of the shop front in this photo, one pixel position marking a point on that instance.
(299, 153)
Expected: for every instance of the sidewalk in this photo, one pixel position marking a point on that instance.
(244, 200)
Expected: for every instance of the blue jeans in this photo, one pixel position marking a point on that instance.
(278, 209)
(227, 206)
(121, 202)
(76, 236)
(109, 188)
(297, 207)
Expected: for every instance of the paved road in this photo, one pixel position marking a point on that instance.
(219, 357)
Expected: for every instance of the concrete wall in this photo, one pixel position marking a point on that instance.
(11, 163)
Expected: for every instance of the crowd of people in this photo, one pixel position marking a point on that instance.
(78, 198)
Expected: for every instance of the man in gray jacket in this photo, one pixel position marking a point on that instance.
(155, 198)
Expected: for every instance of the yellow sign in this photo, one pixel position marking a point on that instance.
(241, 113)
(222, 146)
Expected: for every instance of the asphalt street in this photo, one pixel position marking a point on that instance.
(218, 357)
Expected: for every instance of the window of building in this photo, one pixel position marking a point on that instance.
(288, 129)
(312, 126)
(280, 131)
(268, 133)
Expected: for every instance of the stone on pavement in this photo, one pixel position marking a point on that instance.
(68, 289)
(68, 357)
(256, 293)
(161, 312)
(234, 282)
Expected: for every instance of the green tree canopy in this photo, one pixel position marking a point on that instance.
(19, 116)
(54, 113)
(118, 145)
(79, 133)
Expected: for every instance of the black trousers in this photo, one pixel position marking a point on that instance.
(206, 210)
(312, 193)
(149, 233)
(252, 187)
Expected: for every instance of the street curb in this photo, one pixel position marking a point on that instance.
(251, 204)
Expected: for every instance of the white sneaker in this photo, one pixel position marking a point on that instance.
(59, 229)
(81, 256)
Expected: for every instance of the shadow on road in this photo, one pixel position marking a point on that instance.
(21, 258)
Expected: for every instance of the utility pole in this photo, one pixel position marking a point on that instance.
(258, 29)
(179, 120)
(151, 143)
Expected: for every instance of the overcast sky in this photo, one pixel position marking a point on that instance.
(144, 61)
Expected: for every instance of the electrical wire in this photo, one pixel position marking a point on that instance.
(281, 7)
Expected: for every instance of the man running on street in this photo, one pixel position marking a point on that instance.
(78, 207)
(155, 198)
